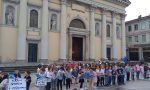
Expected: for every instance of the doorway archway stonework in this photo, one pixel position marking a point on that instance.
(77, 29)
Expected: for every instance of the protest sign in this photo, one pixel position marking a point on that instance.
(41, 82)
(17, 84)
(11, 76)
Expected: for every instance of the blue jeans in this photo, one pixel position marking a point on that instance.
(119, 80)
(109, 80)
(113, 80)
(122, 79)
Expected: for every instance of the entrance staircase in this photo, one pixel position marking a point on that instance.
(32, 67)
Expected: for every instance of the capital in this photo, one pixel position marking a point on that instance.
(114, 14)
(104, 11)
(123, 16)
(92, 9)
(63, 1)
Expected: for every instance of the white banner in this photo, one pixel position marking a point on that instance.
(17, 84)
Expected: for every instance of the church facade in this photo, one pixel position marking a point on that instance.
(53, 30)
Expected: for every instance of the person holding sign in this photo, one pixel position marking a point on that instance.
(41, 79)
(17, 74)
(28, 79)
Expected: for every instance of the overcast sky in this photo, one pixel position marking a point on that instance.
(138, 7)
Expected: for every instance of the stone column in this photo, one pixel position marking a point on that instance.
(44, 32)
(92, 33)
(1, 9)
(21, 43)
(123, 35)
(114, 39)
(63, 30)
(104, 39)
(141, 54)
(70, 46)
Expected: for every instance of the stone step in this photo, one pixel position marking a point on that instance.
(22, 69)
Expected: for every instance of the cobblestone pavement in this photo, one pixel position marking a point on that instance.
(131, 85)
(136, 85)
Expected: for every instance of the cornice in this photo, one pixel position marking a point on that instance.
(33, 5)
(12, 1)
(103, 6)
(121, 2)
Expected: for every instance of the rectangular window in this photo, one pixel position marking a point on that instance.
(136, 39)
(143, 25)
(130, 39)
(129, 28)
(149, 24)
(143, 38)
(136, 27)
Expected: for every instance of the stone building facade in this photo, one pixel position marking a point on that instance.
(52, 30)
(138, 39)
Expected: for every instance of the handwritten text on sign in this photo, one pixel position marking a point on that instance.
(41, 82)
(17, 84)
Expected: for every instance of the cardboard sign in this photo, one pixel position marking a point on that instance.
(41, 82)
(17, 84)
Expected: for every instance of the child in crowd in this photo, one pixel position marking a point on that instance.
(4, 83)
(17, 74)
(28, 79)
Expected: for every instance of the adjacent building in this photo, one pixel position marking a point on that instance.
(138, 39)
(52, 30)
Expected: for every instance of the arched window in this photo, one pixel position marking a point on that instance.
(53, 25)
(118, 32)
(97, 29)
(10, 15)
(77, 24)
(34, 18)
(108, 30)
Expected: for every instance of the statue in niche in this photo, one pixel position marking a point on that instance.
(54, 22)
(9, 15)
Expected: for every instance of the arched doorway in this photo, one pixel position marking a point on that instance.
(77, 40)
(77, 23)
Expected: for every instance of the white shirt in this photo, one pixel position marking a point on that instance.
(97, 71)
(4, 82)
(49, 74)
(102, 71)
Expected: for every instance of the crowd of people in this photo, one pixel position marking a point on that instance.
(91, 75)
